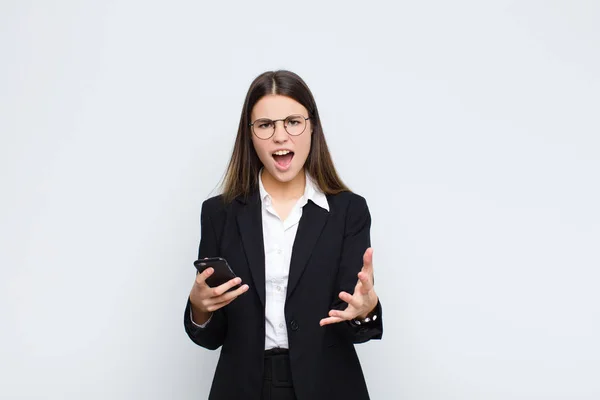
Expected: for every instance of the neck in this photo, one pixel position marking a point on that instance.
(293, 189)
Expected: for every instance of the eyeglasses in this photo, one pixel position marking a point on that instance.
(264, 128)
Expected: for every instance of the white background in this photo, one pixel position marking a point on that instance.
(472, 128)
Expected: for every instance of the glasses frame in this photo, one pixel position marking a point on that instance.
(274, 121)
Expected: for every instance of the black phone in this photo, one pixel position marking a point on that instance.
(223, 272)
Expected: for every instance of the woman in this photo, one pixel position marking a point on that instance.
(298, 241)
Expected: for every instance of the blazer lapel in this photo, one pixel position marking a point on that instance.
(250, 226)
(309, 229)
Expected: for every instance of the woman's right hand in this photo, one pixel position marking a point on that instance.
(206, 299)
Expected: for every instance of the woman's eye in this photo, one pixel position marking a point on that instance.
(264, 125)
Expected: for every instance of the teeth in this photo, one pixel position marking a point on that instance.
(281, 152)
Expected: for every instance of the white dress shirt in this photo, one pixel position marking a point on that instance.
(278, 237)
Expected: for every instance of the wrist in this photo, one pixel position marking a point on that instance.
(366, 318)
(370, 312)
(199, 316)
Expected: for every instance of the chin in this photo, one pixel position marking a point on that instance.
(283, 176)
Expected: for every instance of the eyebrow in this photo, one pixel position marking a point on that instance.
(271, 119)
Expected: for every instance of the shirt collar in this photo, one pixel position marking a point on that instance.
(311, 192)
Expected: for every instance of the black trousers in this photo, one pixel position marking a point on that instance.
(277, 381)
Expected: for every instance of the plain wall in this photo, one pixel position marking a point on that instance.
(472, 128)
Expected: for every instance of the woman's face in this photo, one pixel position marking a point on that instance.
(292, 151)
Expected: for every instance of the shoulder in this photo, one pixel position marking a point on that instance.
(350, 209)
(351, 212)
(348, 201)
(217, 207)
(213, 205)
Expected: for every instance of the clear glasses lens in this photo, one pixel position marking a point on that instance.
(295, 124)
(263, 128)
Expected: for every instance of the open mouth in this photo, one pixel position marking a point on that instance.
(283, 158)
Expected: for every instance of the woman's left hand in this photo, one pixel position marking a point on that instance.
(363, 301)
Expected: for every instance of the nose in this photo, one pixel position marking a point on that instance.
(280, 135)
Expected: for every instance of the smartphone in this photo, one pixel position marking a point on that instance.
(222, 273)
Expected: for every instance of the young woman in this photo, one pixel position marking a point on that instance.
(299, 242)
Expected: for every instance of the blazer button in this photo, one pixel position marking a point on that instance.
(294, 325)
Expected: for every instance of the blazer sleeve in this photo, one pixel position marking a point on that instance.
(213, 334)
(357, 239)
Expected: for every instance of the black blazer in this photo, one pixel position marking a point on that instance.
(326, 258)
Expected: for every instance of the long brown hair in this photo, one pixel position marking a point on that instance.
(241, 178)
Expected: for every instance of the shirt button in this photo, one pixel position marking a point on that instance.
(281, 325)
(278, 288)
(278, 251)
